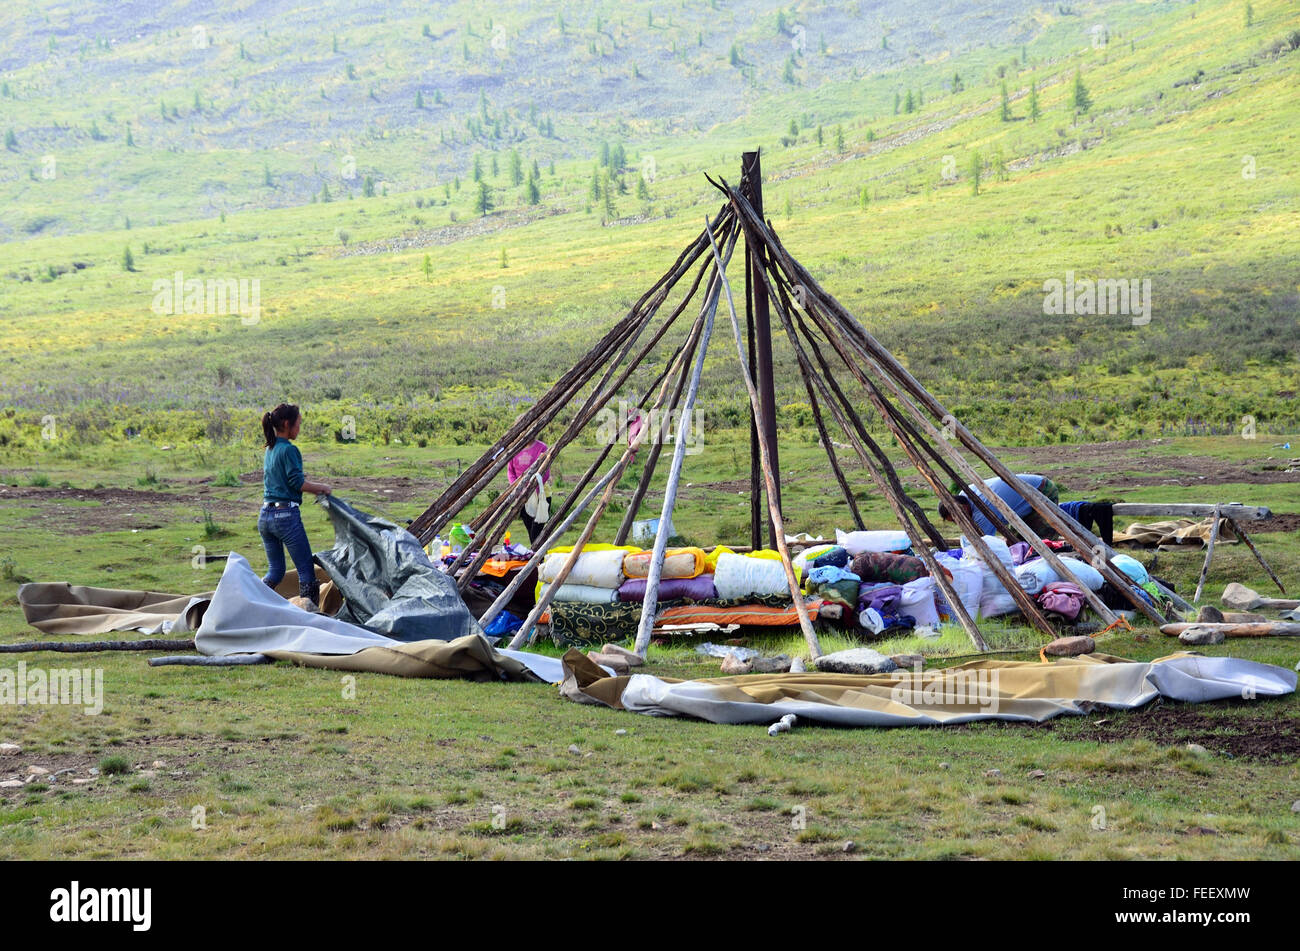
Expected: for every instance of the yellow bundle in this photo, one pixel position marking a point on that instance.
(678, 563)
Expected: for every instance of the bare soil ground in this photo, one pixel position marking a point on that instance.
(1264, 737)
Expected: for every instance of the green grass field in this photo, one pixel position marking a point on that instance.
(445, 768)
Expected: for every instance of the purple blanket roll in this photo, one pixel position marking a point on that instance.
(699, 588)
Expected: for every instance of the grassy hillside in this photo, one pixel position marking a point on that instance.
(424, 319)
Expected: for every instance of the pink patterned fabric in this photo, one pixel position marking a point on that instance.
(525, 458)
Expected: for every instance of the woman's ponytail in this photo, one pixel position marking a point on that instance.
(282, 415)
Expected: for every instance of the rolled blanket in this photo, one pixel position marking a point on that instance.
(739, 577)
(599, 568)
(836, 557)
(678, 563)
(885, 566)
(584, 593)
(699, 588)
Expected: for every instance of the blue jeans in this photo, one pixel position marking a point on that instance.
(281, 528)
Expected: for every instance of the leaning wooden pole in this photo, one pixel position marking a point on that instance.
(902, 383)
(1209, 555)
(550, 589)
(773, 507)
(1236, 527)
(650, 602)
(1007, 578)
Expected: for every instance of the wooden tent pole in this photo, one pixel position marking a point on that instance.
(454, 498)
(564, 521)
(1236, 527)
(547, 543)
(1003, 574)
(656, 448)
(550, 589)
(1209, 555)
(773, 508)
(751, 184)
(597, 398)
(650, 602)
(901, 382)
(887, 482)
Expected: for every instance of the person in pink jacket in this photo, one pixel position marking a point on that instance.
(538, 507)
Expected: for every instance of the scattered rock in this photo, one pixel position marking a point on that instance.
(1070, 646)
(573, 748)
(908, 661)
(1037, 774)
(856, 660)
(1209, 614)
(10, 783)
(763, 847)
(1201, 636)
(620, 732)
(10, 749)
(614, 662)
(1295, 806)
(37, 771)
(158, 764)
(149, 773)
(848, 846)
(731, 664)
(779, 664)
(797, 667)
(1200, 830)
(82, 781)
(945, 765)
(94, 770)
(992, 773)
(1196, 749)
(630, 658)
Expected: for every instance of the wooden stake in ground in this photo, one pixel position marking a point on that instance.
(773, 508)
(1255, 551)
(650, 603)
(1209, 554)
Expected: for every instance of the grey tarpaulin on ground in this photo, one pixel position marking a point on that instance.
(388, 583)
(247, 617)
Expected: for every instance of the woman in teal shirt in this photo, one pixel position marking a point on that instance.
(283, 483)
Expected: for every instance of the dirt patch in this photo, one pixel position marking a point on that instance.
(1274, 523)
(1100, 465)
(114, 510)
(1273, 738)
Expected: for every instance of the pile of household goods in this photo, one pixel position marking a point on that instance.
(881, 586)
(869, 583)
(601, 599)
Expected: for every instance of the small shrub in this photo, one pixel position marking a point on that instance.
(114, 766)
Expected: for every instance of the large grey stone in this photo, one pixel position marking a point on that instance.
(1201, 636)
(857, 660)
